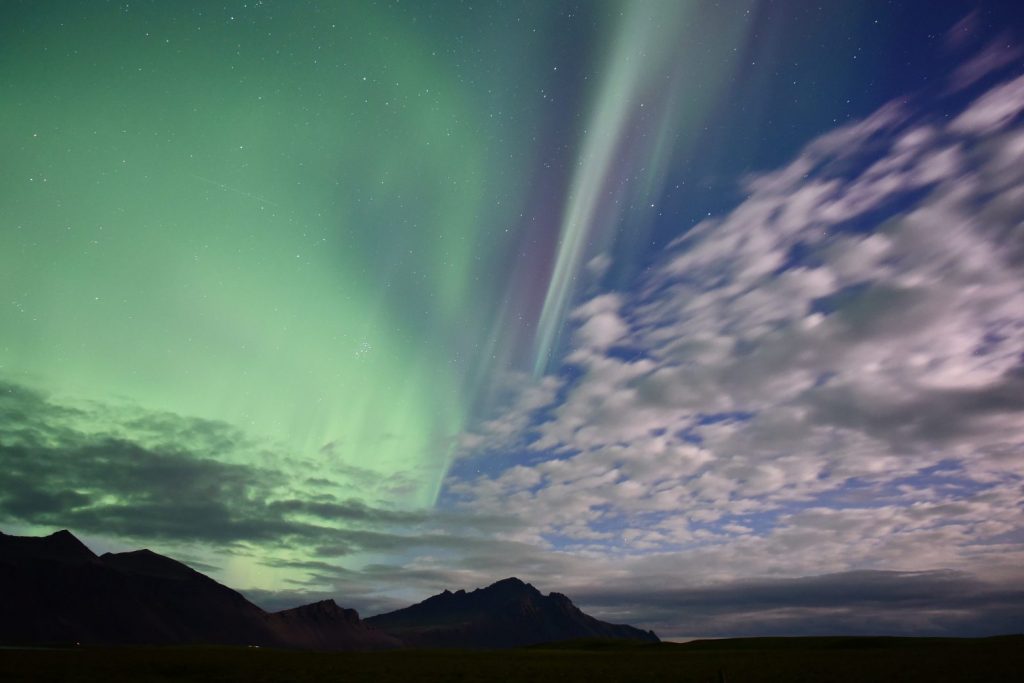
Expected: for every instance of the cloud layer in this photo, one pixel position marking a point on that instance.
(828, 380)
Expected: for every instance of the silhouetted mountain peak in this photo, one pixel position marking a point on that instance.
(325, 604)
(511, 589)
(148, 563)
(61, 546)
(510, 585)
(561, 599)
(506, 613)
(55, 590)
(326, 625)
(67, 543)
(320, 611)
(512, 581)
(500, 595)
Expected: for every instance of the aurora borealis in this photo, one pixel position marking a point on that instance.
(667, 298)
(233, 250)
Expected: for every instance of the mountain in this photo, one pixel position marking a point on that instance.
(61, 546)
(325, 626)
(55, 590)
(508, 613)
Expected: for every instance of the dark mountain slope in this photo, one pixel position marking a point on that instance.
(55, 590)
(325, 626)
(508, 613)
(60, 546)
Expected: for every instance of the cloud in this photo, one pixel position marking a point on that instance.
(850, 603)
(125, 473)
(825, 380)
(598, 266)
(145, 475)
(993, 57)
(994, 110)
(601, 324)
(522, 399)
(964, 31)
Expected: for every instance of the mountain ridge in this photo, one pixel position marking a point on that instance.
(56, 590)
(507, 613)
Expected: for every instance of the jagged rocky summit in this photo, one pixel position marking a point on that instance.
(509, 613)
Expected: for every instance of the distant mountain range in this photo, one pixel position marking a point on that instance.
(53, 589)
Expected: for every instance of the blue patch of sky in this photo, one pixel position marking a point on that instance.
(824, 378)
(760, 525)
(569, 375)
(626, 354)
(615, 543)
(493, 464)
(995, 335)
(802, 254)
(564, 542)
(1014, 536)
(830, 303)
(611, 529)
(870, 221)
(730, 416)
(691, 434)
(946, 479)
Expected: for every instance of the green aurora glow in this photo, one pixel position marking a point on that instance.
(315, 223)
(281, 222)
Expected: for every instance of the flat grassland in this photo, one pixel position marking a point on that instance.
(818, 660)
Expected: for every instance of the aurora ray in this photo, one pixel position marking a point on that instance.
(652, 100)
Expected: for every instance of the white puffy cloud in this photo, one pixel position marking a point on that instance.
(828, 378)
(523, 398)
(601, 326)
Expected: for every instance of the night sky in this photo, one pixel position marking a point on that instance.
(707, 314)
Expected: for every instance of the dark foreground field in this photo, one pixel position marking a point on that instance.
(763, 659)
